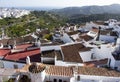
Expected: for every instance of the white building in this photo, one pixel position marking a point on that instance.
(5, 12)
(38, 72)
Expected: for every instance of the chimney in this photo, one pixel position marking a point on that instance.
(28, 60)
(98, 36)
(14, 44)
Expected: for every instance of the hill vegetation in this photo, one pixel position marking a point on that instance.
(16, 27)
(78, 19)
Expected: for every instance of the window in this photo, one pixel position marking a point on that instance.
(15, 66)
(92, 56)
(55, 80)
(64, 81)
(115, 68)
(92, 80)
(78, 78)
(1, 64)
(60, 80)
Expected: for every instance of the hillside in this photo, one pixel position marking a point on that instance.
(77, 19)
(87, 10)
(16, 27)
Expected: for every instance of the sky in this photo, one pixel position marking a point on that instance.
(55, 3)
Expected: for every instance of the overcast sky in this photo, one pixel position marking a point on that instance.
(55, 3)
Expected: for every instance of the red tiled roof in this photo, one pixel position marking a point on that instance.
(24, 46)
(51, 69)
(4, 52)
(71, 52)
(96, 63)
(59, 70)
(68, 71)
(98, 71)
(33, 54)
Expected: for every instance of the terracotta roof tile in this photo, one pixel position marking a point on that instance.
(68, 71)
(71, 52)
(59, 70)
(96, 63)
(86, 37)
(21, 56)
(97, 71)
(23, 46)
(52, 70)
(52, 54)
(4, 52)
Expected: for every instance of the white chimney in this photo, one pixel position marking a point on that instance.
(1, 45)
(38, 43)
(75, 28)
(28, 60)
(117, 47)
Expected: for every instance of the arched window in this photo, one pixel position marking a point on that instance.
(60, 80)
(55, 80)
(78, 78)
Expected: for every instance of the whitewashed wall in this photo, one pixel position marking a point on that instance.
(107, 38)
(75, 36)
(91, 78)
(103, 52)
(112, 63)
(45, 48)
(38, 77)
(66, 38)
(46, 59)
(51, 78)
(92, 34)
(10, 64)
(86, 56)
(62, 63)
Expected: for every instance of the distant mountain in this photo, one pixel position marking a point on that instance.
(88, 10)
